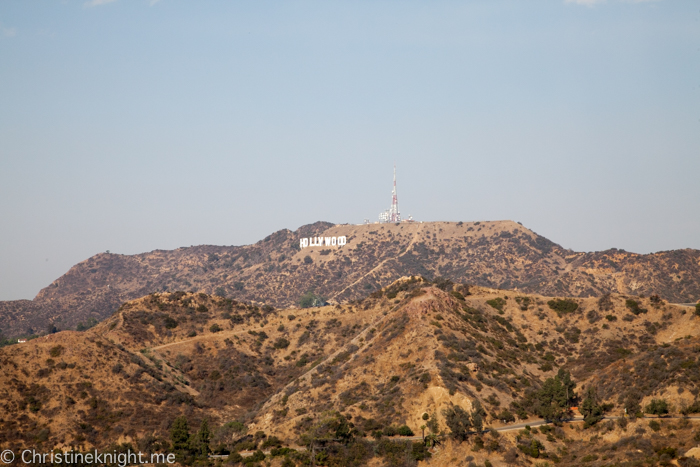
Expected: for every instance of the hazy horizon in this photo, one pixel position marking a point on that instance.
(134, 126)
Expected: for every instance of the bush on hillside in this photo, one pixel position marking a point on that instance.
(91, 322)
(459, 422)
(657, 407)
(634, 307)
(310, 299)
(553, 399)
(692, 408)
(169, 322)
(563, 306)
(524, 302)
(498, 303)
(443, 284)
(605, 303)
(457, 295)
(281, 343)
(506, 416)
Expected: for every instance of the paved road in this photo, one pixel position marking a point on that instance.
(517, 426)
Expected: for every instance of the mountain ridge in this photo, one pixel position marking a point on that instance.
(274, 270)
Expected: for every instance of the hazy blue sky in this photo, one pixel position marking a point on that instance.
(137, 125)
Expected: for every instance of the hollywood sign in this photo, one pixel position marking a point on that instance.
(323, 241)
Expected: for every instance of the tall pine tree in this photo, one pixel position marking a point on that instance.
(180, 435)
(590, 409)
(202, 439)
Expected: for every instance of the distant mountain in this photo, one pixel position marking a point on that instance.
(277, 271)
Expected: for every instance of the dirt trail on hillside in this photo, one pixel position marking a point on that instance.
(380, 265)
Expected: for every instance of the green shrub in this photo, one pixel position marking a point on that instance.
(552, 400)
(271, 442)
(276, 452)
(459, 421)
(169, 323)
(281, 343)
(443, 284)
(634, 306)
(657, 407)
(498, 303)
(524, 302)
(56, 351)
(654, 425)
(697, 308)
(532, 449)
(605, 302)
(404, 430)
(611, 317)
(91, 322)
(692, 408)
(506, 416)
(457, 295)
(563, 306)
(255, 458)
(310, 299)
(303, 360)
(419, 451)
(233, 458)
(34, 404)
(215, 328)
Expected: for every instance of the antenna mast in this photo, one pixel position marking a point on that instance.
(392, 214)
(395, 216)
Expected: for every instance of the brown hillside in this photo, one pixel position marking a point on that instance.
(414, 347)
(78, 389)
(500, 254)
(159, 357)
(428, 350)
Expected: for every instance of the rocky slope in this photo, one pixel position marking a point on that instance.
(499, 254)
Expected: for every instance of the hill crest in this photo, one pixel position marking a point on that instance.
(275, 270)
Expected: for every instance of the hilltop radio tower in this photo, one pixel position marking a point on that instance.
(392, 214)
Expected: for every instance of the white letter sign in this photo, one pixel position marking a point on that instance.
(321, 241)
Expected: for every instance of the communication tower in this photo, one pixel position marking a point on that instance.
(392, 214)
